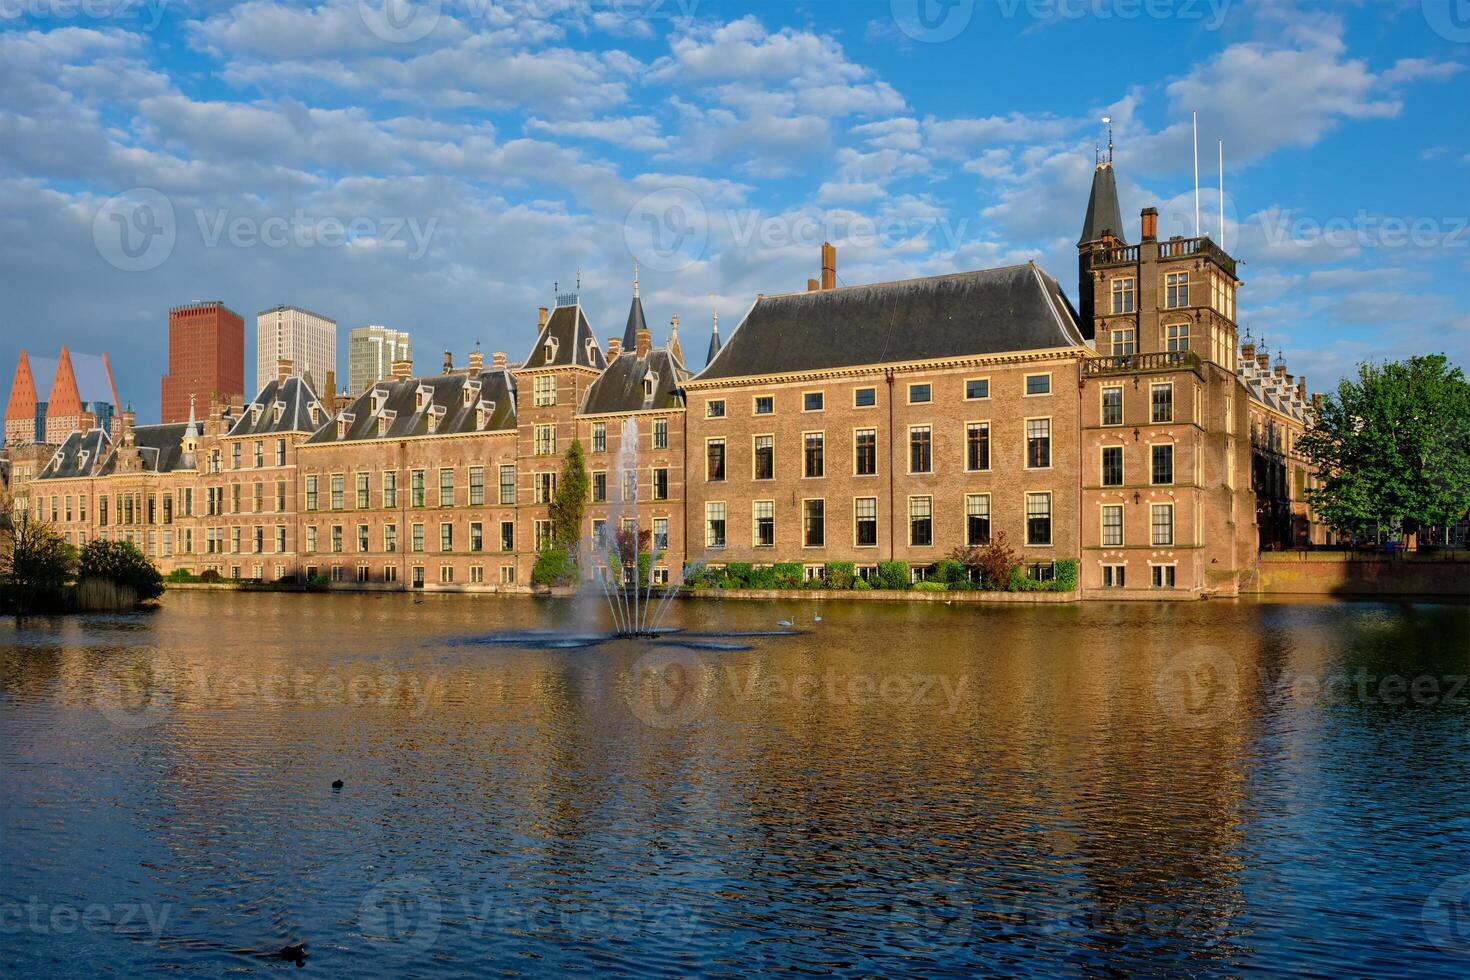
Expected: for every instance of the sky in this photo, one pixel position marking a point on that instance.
(446, 167)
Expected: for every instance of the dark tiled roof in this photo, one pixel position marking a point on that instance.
(636, 322)
(714, 345)
(297, 396)
(161, 447)
(1103, 214)
(620, 388)
(401, 398)
(569, 328)
(993, 311)
(70, 461)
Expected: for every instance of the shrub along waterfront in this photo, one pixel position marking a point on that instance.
(40, 573)
(949, 575)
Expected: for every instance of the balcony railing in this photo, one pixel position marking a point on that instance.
(1184, 360)
(1173, 248)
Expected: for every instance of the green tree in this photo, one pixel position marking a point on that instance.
(122, 564)
(1393, 446)
(35, 566)
(570, 502)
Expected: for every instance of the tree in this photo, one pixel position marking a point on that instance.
(992, 561)
(122, 564)
(35, 566)
(570, 501)
(1393, 446)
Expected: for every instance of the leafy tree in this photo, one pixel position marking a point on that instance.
(1393, 446)
(993, 560)
(35, 566)
(554, 567)
(570, 502)
(122, 564)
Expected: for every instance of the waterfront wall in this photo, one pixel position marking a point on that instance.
(1336, 573)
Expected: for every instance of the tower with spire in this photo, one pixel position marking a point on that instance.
(714, 336)
(1102, 231)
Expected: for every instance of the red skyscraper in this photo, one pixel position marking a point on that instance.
(206, 357)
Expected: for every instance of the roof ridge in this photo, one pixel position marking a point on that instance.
(898, 282)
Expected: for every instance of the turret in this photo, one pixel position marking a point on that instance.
(1102, 228)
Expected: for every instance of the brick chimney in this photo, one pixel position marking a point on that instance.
(1301, 388)
(813, 285)
(829, 266)
(541, 321)
(497, 360)
(128, 418)
(1150, 224)
(1248, 351)
(645, 343)
(1263, 361)
(330, 391)
(1280, 371)
(402, 369)
(283, 369)
(448, 362)
(477, 361)
(614, 347)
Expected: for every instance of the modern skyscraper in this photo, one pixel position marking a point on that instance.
(308, 340)
(206, 357)
(25, 414)
(371, 352)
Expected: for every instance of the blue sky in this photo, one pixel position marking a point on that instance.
(438, 167)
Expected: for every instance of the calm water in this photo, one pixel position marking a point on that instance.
(1206, 788)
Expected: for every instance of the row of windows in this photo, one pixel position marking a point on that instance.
(1125, 289)
(1161, 525)
(599, 436)
(1115, 576)
(364, 574)
(658, 484)
(257, 456)
(362, 538)
(865, 521)
(865, 451)
(659, 532)
(1161, 465)
(919, 393)
(417, 489)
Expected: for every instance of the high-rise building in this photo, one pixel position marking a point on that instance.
(306, 339)
(25, 413)
(206, 357)
(371, 352)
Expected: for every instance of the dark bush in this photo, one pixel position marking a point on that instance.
(122, 564)
(210, 575)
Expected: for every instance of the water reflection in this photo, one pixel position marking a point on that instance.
(1212, 788)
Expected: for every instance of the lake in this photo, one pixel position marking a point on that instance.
(1212, 788)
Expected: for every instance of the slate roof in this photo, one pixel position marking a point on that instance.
(297, 396)
(714, 345)
(68, 463)
(620, 387)
(1103, 214)
(400, 397)
(636, 322)
(567, 326)
(992, 311)
(160, 445)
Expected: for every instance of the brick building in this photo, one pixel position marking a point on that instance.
(206, 358)
(863, 423)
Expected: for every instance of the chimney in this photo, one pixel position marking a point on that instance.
(402, 369)
(283, 369)
(1301, 388)
(829, 266)
(812, 285)
(645, 343)
(614, 347)
(1263, 361)
(541, 321)
(1150, 224)
(448, 362)
(1280, 370)
(1317, 401)
(497, 360)
(1248, 351)
(330, 390)
(477, 361)
(127, 427)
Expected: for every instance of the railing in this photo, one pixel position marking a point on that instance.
(1184, 360)
(1173, 248)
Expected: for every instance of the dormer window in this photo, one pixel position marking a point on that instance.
(483, 411)
(311, 411)
(385, 422)
(650, 381)
(82, 460)
(591, 351)
(344, 422)
(380, 399)
(278, 411)
(255, 412)
(471, 393)
(421, 397)
(436, 415)
(551, 346)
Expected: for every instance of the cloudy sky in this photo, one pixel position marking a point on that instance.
(442, 167)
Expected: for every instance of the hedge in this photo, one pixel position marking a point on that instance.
(839, 576)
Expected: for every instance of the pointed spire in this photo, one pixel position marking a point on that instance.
(714, 337)
(635, 278)
(1104, 217)
(674, 347)
(192, 432)
(636, 321)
